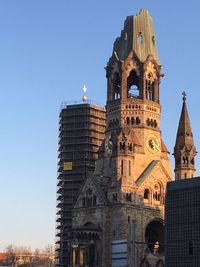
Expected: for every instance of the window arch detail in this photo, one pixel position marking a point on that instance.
(147, 195)
(116, 87)
(89, 198)
(133, 85)
(158, 193)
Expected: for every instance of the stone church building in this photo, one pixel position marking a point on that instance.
(118, 217)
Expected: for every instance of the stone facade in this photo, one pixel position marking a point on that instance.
(119, 213)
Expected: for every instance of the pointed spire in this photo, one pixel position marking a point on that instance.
(184, 150)
(184, 134)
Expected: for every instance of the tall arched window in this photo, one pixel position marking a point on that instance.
(150, 90)
(133, 85)
(117, 87)
(146, 194)
(150, 87)
(185, 160)
(129, 168)
(122, 146)
(158, 193)
(130, 146)
(122, 167)
(128, 121)
(137, 120)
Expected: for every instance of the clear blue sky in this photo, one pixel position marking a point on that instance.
(48, 50)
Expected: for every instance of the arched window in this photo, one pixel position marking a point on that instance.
(150, 87)
(128, 121)
(137, 120)
(185, 160)
(140, 38)
(154, 123)
(153, 40)
(158, 193)
(146, 194)
(154, 236)
(130, 147)
(122, 146)
(132, 121)
(122, 167)
(133, 85)
(129, 197)
(117, 87)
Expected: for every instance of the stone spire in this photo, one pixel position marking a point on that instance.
(184, 150)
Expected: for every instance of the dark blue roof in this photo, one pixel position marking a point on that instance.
(183, 184)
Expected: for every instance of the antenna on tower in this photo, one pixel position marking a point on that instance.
(84, 97)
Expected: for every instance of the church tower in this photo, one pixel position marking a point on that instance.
(133, 135)
(119, 214)
(184, 150)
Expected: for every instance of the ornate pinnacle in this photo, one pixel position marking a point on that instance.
(184, 96)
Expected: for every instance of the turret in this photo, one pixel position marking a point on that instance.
(184, 150)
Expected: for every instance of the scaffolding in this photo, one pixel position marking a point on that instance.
(81, 133)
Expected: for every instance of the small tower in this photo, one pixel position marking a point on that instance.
(184, 150)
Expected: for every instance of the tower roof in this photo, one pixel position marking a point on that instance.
(138, 35)
(184, 137)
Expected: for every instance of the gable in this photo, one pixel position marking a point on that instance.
(91, 193)
(152, 184)
(155, 171)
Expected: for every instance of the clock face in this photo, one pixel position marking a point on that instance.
(152, 143)
(108, 145)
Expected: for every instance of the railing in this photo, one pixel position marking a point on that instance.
(89, 101)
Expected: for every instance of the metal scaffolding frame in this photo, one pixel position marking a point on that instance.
(81, 132)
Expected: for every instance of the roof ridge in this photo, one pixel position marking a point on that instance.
(146, 172)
